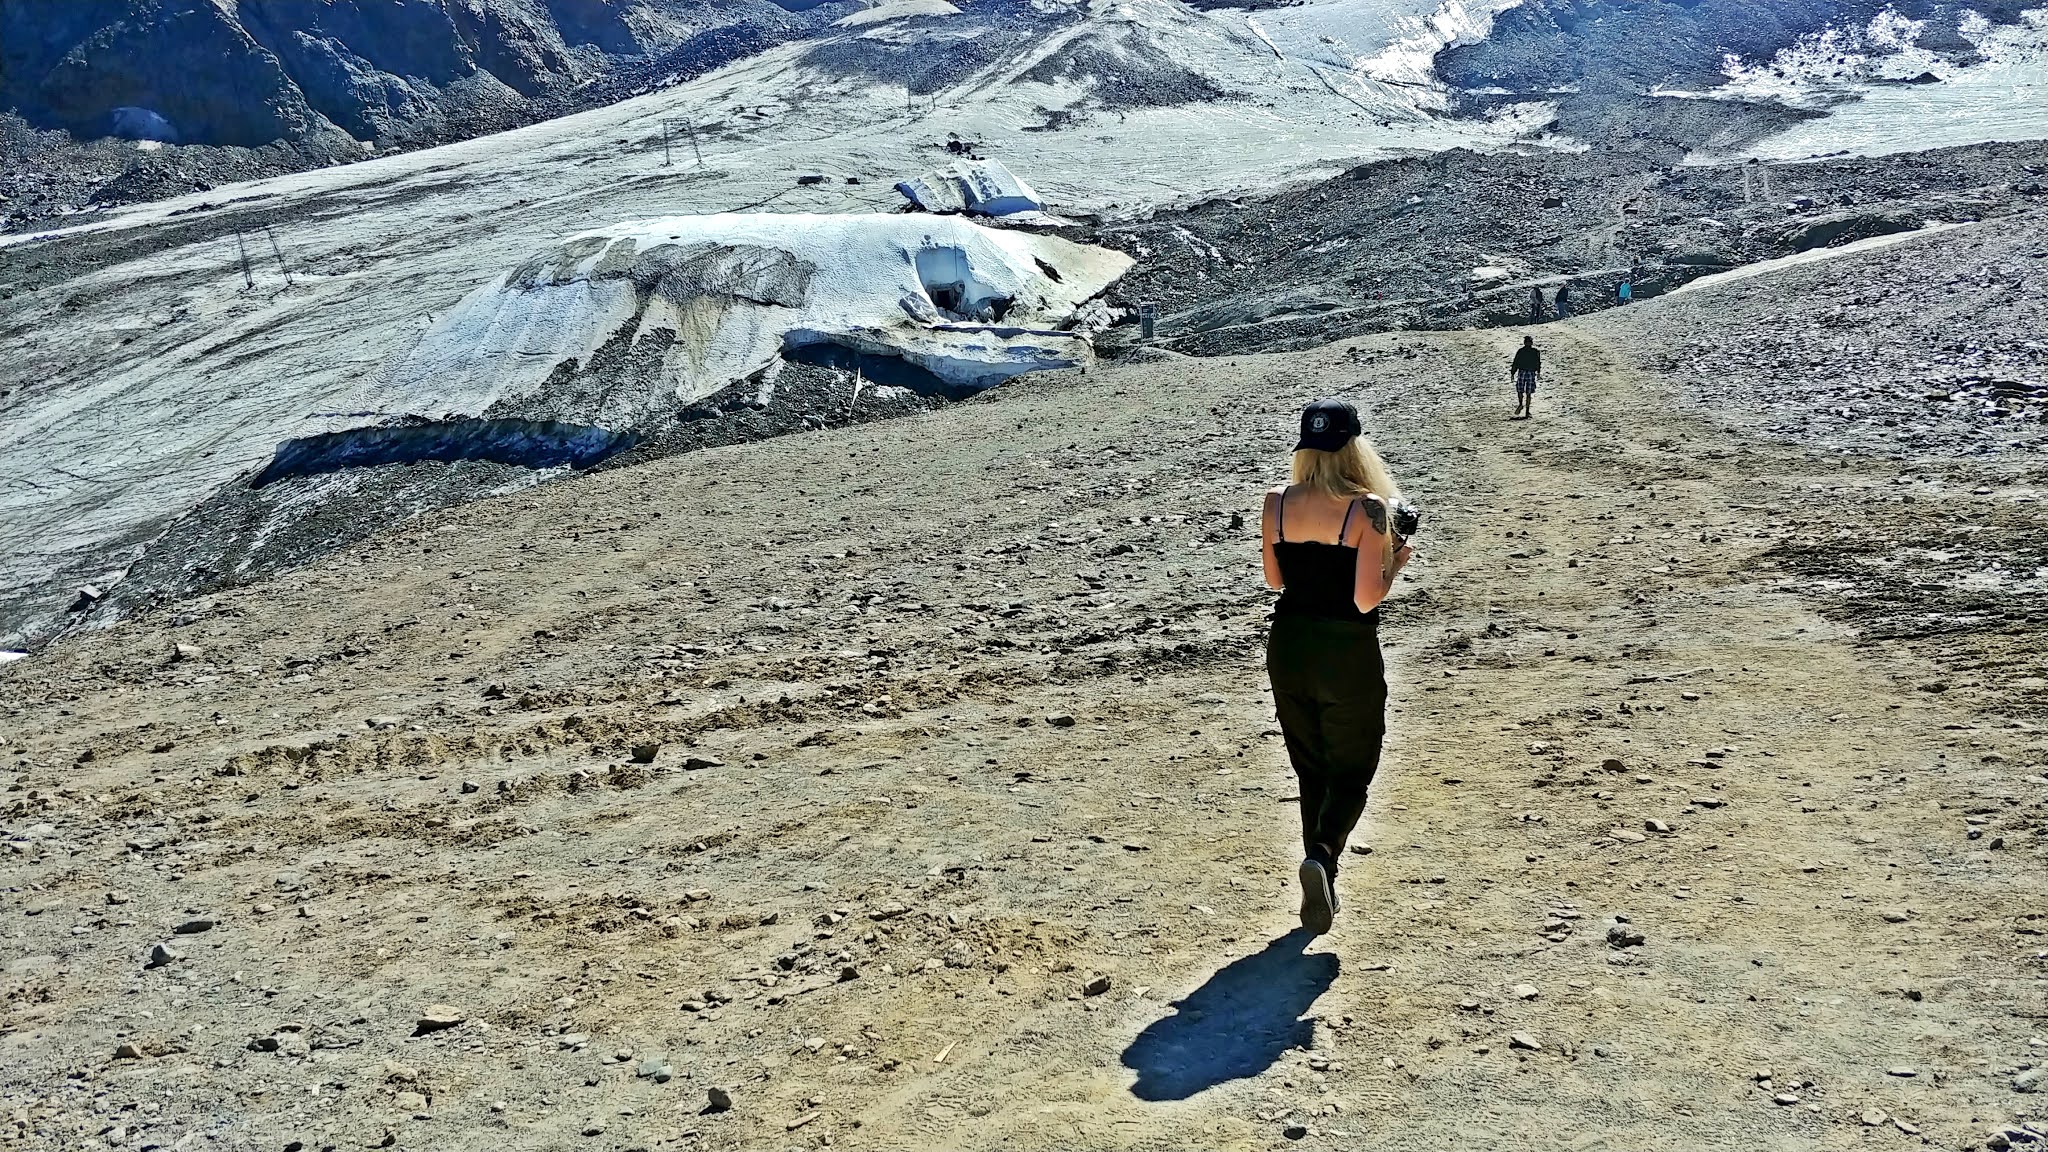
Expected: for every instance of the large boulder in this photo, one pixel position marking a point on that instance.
(1835, 228)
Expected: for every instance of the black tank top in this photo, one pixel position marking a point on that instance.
(1317, 579)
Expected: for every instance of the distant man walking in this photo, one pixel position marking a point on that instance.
(1564, 301)
(1525, 367)
(1535, 305)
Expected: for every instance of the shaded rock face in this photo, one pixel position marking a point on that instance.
(183, 62)
(362, 63)
(191, 72)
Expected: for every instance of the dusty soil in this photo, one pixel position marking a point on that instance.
(959, 711)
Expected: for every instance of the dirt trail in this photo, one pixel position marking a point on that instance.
(979, 715)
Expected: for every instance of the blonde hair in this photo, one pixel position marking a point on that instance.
(1349, 472)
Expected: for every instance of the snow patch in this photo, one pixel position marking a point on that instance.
(896, 10)
(679, 307)
(982, 187)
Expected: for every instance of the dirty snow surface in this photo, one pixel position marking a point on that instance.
(696, 302)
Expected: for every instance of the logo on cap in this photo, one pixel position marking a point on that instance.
(1319, 423)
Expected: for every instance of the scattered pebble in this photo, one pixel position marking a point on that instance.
(1623, 936)
(438, 1017)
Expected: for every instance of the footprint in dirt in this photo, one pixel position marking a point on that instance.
(1236, 1025)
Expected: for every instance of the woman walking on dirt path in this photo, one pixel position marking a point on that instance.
(1332, 551)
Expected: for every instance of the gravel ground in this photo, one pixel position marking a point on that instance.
(963, 822)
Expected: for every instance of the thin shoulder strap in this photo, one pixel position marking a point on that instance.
(1280, 518)
(1344, 533)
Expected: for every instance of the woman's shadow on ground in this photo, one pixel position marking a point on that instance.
(1236, 1025)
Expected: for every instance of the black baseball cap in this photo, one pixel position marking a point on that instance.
(1328, 425)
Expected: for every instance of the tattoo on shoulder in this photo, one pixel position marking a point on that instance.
(1376, 512)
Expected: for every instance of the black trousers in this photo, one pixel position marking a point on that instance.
(1330, 691)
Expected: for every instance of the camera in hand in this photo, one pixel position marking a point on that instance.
(1407, 518)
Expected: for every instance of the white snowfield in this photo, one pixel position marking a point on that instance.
(159, 374)
(739, 290)
(1855, 74)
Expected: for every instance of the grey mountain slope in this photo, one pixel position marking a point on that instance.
(259, 71)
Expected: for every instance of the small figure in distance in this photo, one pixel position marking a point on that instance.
(1535, 305)
(1524, 368)
(1564, 301)
(1333, 542)
(1623, 293)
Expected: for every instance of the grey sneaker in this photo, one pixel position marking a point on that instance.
(1318, 901)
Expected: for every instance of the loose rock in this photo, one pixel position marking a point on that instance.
(437, 1018)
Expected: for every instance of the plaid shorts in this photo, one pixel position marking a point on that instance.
(1525, 381)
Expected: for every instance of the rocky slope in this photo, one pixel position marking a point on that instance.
(1459, 239)
(254, 72)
